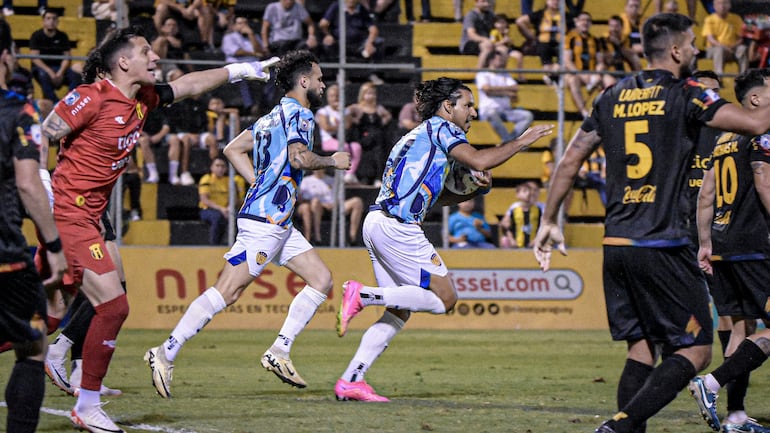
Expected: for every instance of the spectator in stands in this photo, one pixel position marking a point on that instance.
(216, 15)
(632, 24)
(408, 117)
(133, 183)
(498, 94)
(168, 45)
(672, 7)
(616, 52)
(542, 26)
(361, 32)
(386, 11)
(52, 74)
(582, 53)
(282, 29)
(219, 126)
(42, 5)
(425, 17)
(328, 119)
(468, 228)
(370, 121)
(502, 40)
(573, 7)
(157, 131)
(189, 13)
(191, 126)
(724, 43)
(522, 219)
(593, 175)
(105, 14)
(214, 194)
(477, 25)
(241, 44)
(316, 197)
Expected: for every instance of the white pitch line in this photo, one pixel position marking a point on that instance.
(145, 427)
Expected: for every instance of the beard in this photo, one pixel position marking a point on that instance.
(315, 99)
(687, 69)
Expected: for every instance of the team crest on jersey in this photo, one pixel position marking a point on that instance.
(96, 251)
(80, 200)
(139, 111)
(71, 98)
(435, 259)
(304, 125)
(261, 258)
(764, 142)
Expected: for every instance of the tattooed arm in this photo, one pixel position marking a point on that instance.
(54, 129)
(301, 157)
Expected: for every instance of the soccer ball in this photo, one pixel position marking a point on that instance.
(461, 180)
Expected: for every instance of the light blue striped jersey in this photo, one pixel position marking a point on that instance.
(416, 169)
(272, 197)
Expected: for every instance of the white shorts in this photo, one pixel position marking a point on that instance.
(400, 253)
(261, 243)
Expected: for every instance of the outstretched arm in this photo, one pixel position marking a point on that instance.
(487, 159)
(199, 82)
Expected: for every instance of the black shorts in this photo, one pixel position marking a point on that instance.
(657, 294)
(548, 52)
(22, 306)
(742, 288)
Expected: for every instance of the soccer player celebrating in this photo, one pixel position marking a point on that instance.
(655, 294)
(734, 246)
(282, 140)
(98, 125)
(409, 271)
(22, 298)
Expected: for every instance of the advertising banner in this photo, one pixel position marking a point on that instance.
(497, 289)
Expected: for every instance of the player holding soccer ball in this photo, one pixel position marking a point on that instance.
(410, 273)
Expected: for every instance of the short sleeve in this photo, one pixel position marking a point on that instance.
(702, 102)
(79, 107)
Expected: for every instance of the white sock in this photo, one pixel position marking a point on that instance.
(198, 314)
(373, 343)
(60, 346)
(76, 375)
(87, 399)
(152, 169)
(711, 383)
(736, 417)
(173, 169)
(301, 310)
(412, 298)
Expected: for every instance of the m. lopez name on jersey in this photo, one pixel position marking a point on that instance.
(638, 104)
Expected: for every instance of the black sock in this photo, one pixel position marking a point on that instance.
(736, 391)
(724, 339)
(661, 387)
(77, 328)
(24, 396)
(632, 379)
(745, 359)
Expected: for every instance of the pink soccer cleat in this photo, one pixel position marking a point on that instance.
(350, 305)
(360, 391)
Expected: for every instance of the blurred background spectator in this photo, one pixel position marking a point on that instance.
(214, 193)
(522, 219)
(498, 95)
(316, 198)
(477, 25)
(282, 28)
(724, 43)
(328, 120)
(468, 228)
(52, 74)
(582, 53)
(369, 127)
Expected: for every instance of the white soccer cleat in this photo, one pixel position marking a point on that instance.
(94, 420)
(283, 368)
(162, 370)
(57, 372)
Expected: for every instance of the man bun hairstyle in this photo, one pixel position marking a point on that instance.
(430, 95)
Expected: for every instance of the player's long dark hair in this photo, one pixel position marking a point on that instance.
(748, 80)
(292, 65)
(430, 95)
(104, 57)
(659, 31)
